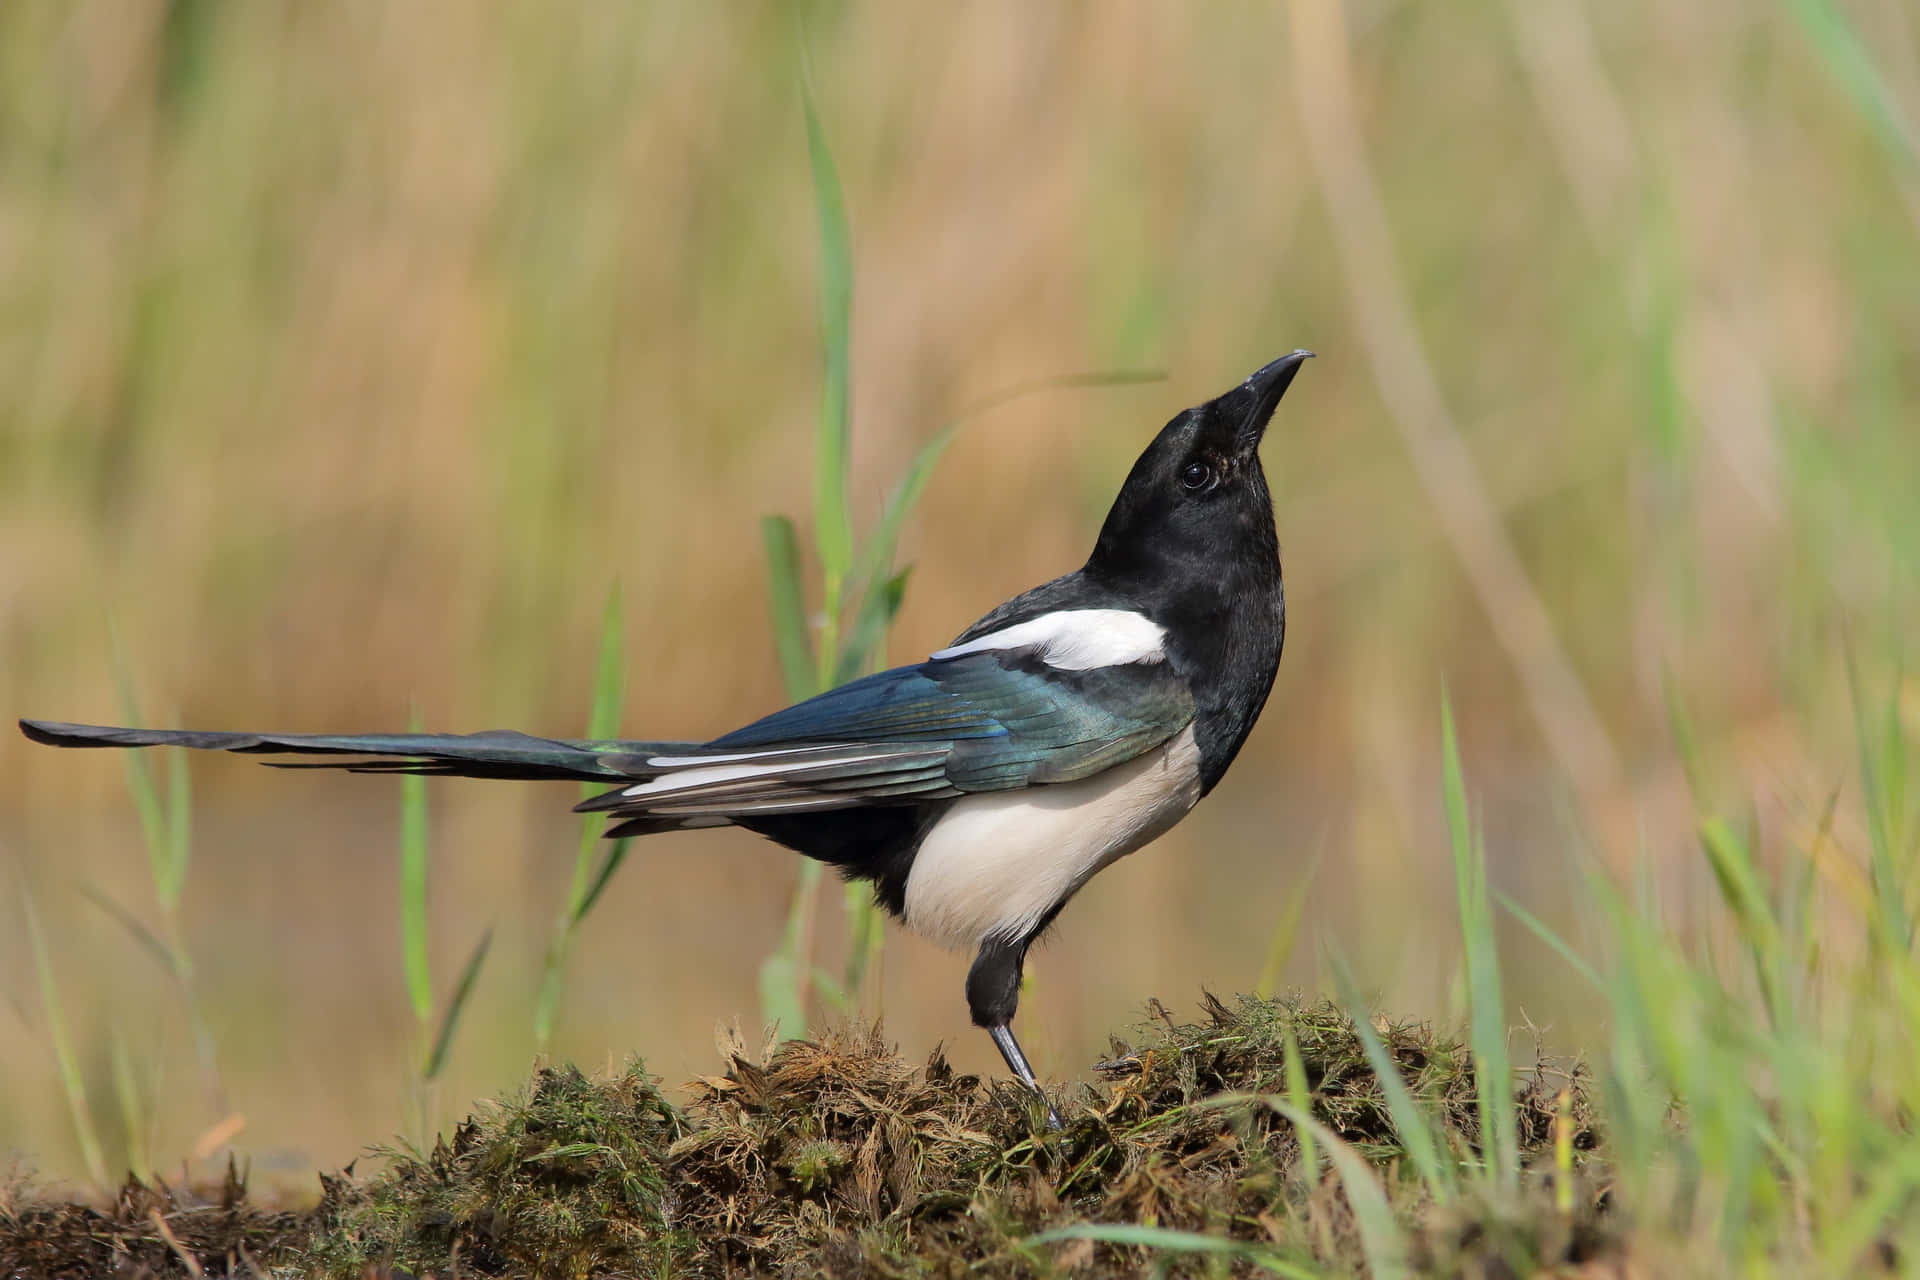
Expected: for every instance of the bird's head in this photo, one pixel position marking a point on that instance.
(1197, 496)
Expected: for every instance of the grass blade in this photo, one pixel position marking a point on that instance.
(874, 562)
(1487, 1026)
(783, 996)
(72, 1083)
(133, 1109)
(872, 569)
(450, 1021)
(1740, 886)
(1849, 59)
(603, 724)
(413, 893)
(1410, 1121)
(149, 941)
(609, 675)
(1302, 1099)
(791, 637)
(1560, 945)
(615, 855)
(1381, 1239)
(179, 846)
(870, 627)
(1145, 1237)
(864, 938)
(1881, 779)
(832, 517)
(1286, 932)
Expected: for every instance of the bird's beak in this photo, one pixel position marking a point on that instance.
(1250, 405)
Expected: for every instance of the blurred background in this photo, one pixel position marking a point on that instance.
(351, 354)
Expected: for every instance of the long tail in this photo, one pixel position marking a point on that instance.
(499, 753)
(662, 786)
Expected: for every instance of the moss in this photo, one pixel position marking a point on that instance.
(838, 1158)
(570, 1178)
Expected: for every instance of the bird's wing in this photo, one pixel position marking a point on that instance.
(500, 753)
(980, 720)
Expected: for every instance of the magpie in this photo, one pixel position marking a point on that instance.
(980, 789)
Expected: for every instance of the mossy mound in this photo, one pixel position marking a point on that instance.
(147, 1230)
(837, 1158)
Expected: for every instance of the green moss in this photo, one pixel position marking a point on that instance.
(838, 1158)
(568, 1179)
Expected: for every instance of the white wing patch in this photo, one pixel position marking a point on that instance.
(997, 862)
(684, 762)
(770, 771)
(1076, 639)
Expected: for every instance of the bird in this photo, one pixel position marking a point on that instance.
(976, 791)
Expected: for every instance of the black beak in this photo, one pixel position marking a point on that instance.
(1250, 405)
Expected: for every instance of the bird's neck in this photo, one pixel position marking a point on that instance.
(1225, 622)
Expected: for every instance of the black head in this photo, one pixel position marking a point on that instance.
(1197, 498)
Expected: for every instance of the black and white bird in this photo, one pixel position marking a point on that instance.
(980, 789)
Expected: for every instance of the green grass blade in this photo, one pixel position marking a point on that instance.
(1286, 931)
(610, 672)
(1411, 1122)
(610, 863)
(1381, 1239)
(791, 637)
(1686, 743)
(1882, 770)
(1850, 60)
(133, 1108)
(1561, 947)
(603, 724)
(1454, 789)
(148, 940)
(72, 1083)
(783, 1000)
(179, 845)
(146, 798)
(1740, 886)
(873, 565)
(1145, 1237)
(584, 890)
(832, 516)
(873, 568)
(1487, 1026)
(413, 894)
(870, 627)
(450, 1020)
(864, 937)
(165, 828)
(1302, 1099)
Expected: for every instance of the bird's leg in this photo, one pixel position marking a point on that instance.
(993, 994)
(1003, 1040)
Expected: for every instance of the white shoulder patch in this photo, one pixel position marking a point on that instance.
(1076, 639)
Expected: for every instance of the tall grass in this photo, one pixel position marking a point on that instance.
(594, 860)
(433, 1037)
(1756, 1102)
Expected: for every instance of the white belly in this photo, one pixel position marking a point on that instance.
(996, 863)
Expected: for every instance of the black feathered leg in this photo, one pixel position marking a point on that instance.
(993, 994)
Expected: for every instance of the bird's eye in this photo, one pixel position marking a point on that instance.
(1196, 475)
